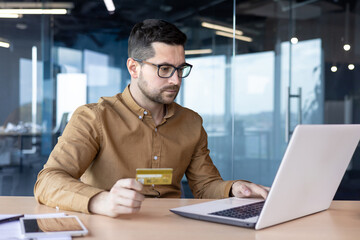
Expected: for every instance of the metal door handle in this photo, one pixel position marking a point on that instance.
(288, 130)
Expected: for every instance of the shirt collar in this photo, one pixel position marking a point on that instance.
(170, 110)
(138, 110)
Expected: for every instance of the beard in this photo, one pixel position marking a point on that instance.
(158, 95)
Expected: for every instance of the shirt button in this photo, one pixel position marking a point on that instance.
(155, 158)
(145, 112)
(140, 117)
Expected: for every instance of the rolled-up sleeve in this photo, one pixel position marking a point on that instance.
(58, 183)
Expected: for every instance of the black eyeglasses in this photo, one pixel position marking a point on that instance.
(167, 70)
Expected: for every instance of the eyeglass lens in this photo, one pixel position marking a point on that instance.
(168, 71)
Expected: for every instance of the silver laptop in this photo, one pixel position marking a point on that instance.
(310, 173)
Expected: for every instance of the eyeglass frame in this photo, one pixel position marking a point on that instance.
(170, 65)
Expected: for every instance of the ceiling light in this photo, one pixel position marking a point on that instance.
(9, 15)
(294, 40)
(351, 66)
(333, 68)
(198, 51)
(39, 4)
(221, 28)
(4, 44)
(21, 26)
(33, 11)
(109, 5)
(230, 35)
(347, 47)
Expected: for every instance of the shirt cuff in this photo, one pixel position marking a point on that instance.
(228, 187)
(82, 198)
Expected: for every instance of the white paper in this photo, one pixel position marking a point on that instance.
(48, 215)
(9, 230)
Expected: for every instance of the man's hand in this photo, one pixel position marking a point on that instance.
(123, 198)
(248, 189)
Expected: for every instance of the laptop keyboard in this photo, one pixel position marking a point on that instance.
(242, 212)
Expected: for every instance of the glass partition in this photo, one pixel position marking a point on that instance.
(21, 87)
(287, 63)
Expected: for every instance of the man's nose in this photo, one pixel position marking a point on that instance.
(175, 79)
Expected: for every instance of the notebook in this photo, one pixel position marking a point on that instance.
(310, 172)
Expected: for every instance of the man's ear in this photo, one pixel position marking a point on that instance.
(133, 68)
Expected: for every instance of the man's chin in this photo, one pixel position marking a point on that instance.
(168, 101)
(169, 98)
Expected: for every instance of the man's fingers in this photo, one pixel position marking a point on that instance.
(246, 189)
(123, 198)
(260, 191)
(240, 190)
(257, 191)
(128, 188)
(120, 192)
(130, 183)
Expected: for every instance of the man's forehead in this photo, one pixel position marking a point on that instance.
(174, 54)
(162, 46)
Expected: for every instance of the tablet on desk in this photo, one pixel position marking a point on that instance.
(52, 226)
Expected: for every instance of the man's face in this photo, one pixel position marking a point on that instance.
(157, 89)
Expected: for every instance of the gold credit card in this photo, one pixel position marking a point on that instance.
(156, 176)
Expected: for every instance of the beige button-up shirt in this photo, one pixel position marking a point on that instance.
(106, 141)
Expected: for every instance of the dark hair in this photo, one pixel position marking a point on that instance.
(149, 31)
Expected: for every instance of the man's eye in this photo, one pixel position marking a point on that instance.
(165, 68)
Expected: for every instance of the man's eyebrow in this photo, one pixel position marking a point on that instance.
(166, 63)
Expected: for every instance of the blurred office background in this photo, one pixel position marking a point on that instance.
(288, 62)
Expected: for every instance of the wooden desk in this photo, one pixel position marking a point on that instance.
(155, 221)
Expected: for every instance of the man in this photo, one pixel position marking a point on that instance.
(142, 127)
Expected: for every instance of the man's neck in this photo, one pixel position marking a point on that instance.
(158, 114)
(157, 110)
